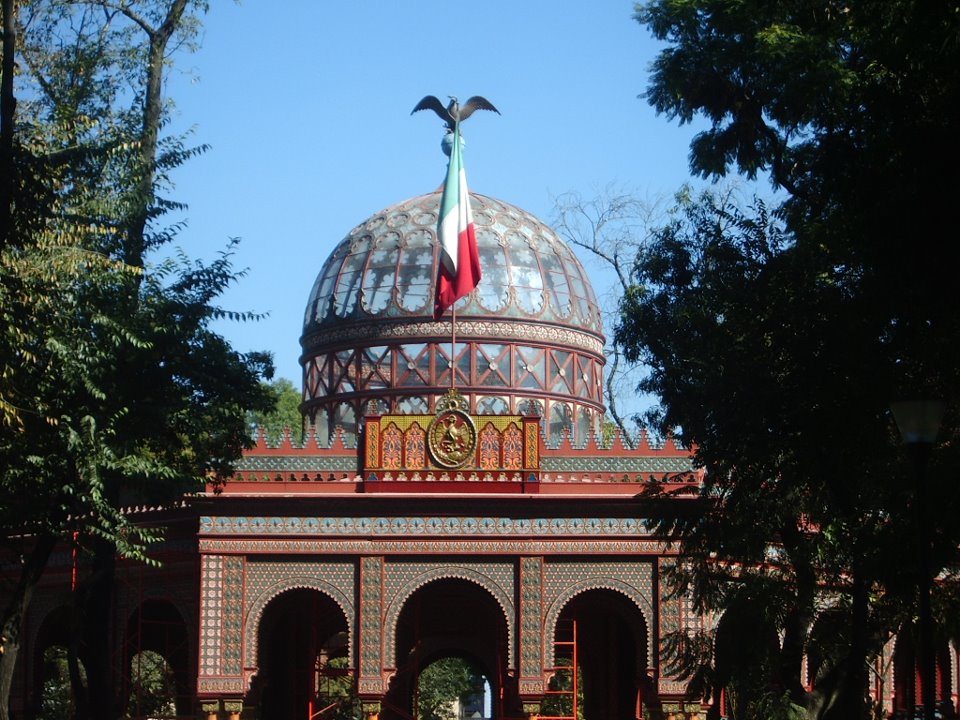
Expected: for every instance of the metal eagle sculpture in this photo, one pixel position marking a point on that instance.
(454, 112)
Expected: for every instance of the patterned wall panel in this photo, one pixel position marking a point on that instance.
(231, 615)
(671, 618)
(531, 626)
(564, 581)
(403, 579)
(211, 606)
(370, 679)
(267, 580)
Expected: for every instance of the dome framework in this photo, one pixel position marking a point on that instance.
(528, 340)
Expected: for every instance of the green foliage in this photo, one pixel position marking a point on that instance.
(336, 687)
(284, 415)
(558, 702)
(154, 690)
(776, 339)
(115, 389)
(442, 683)
(55, 698)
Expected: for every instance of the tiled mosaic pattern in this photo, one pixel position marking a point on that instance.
(423, 525)
(232, 614)
(531, 620)
(300, 546)
(211, 603)
(371, 623)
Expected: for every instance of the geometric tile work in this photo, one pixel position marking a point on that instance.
(531, 625)
(563, 581)
(268, 579)
(232, 614)
(671, 609)
(432, 525)
(401, 580)
(421, 546)
(211, 574)
(369, 678)
(626, 464)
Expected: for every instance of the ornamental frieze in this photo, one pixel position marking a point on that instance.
(512, 329)
(293, 546)
(429, 525)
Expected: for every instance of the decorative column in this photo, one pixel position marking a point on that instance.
(370, 684)
(220, 669)
(371, 710)
(233, 708)
(531, 632)
(531, 710)
(210, 710)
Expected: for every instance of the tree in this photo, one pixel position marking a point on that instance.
(612, 226)
(116, 390)
(774, 340)
(285, 414)
(444, 682)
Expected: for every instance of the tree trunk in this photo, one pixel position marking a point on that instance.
(15, 612)
(93, 631)
(150, 131)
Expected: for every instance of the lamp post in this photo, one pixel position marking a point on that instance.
(919, 423)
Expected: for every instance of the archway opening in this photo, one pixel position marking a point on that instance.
(157, 672)
(56, 701)
(56, 676)
(452, 622)
(744, 671)
(153, 691)
(599, 670)
(304, 666)
(453, 688)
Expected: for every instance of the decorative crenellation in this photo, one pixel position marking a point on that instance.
(401, 580)
(267, 579)
(563, 581)
(430, 525)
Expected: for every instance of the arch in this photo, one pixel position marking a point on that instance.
(157, 625)
(643, 604)
(51, 632)
(254, 616)
(452, 572)
(300, 633)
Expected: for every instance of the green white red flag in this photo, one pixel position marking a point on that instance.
(459, 266)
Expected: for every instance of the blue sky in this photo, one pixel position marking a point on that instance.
(306, 106)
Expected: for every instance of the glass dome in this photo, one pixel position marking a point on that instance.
(386, 266)
(528, 339)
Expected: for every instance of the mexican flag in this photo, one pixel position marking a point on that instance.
(459, 270)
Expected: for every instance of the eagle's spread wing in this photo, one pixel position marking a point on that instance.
(477, 102)
(431, 102)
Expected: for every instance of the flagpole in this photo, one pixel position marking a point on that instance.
(453, 308)
(453, 347)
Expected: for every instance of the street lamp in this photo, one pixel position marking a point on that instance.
(919, 423)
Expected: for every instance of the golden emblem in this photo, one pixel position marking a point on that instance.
(452, 435)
